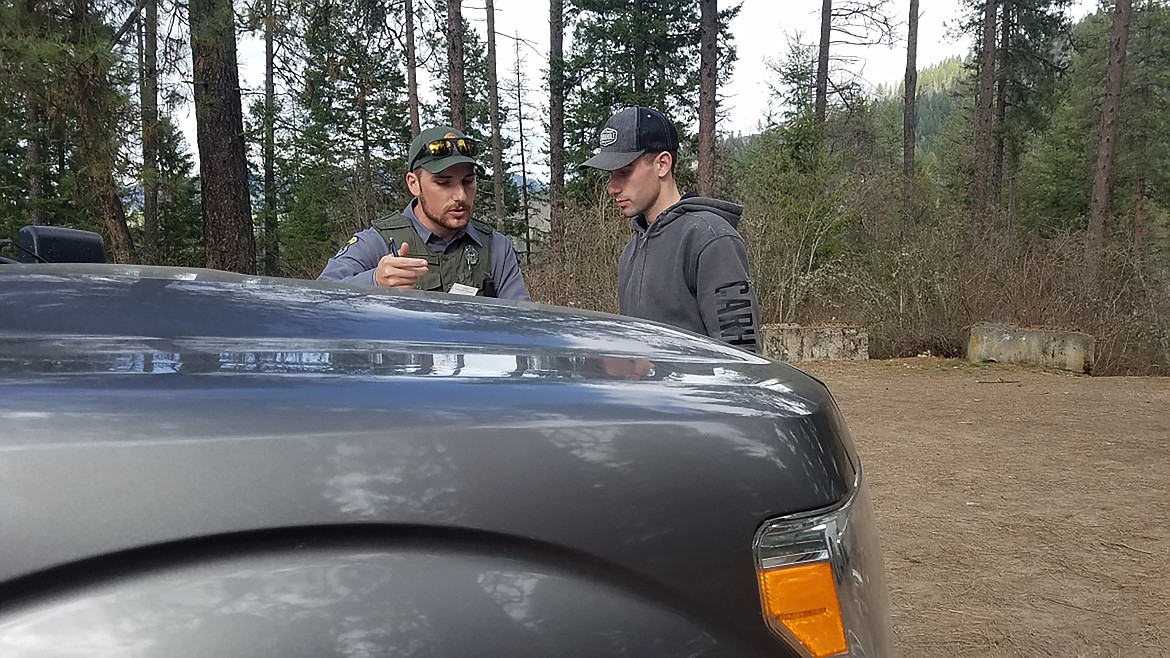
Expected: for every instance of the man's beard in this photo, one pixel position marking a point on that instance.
(441, 219)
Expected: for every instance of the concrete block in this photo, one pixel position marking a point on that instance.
(794, 342)
(1049, 348)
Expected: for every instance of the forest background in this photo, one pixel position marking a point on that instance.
(1026, 182)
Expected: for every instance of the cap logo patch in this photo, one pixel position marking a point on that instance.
(608, 137)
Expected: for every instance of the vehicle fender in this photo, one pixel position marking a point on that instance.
(355, 597)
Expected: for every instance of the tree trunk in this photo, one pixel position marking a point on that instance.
(984, 120)
(271, 235)
(494, 110)
(1103, 180)
(411, 71)
(556, 123)
(640, 56)
(708, 66)
(96, 141)
(1139, 216)
(150, 133)
(32, 159)
(523, 158)
(455, 64)
(227, 221)
(822, 100)
(96, 152)
(910, 91)
(366, 195)
(96, 147)
(1005, 34)
(33, 154)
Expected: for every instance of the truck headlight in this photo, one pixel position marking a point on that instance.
(822, 583)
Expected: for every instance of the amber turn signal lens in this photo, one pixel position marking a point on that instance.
(803, 599)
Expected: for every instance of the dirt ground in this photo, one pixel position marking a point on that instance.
(1023, 512)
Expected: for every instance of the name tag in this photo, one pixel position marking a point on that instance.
(460, 289)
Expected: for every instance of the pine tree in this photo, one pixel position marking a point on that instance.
(227, 225)
(910, 89)
(179, 241)
(708, 72)
(984, 125)
(1106, 146)
(455, 64)
(66, 84)
(344, 130)
(1057, 171)
(494, 114)
(556, 124)
(1025, 65)
(651, 51)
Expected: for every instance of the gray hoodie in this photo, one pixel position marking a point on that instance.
(690, 269)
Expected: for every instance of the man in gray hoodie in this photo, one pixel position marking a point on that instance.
(686, 264)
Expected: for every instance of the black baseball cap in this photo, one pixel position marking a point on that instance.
(631, 132)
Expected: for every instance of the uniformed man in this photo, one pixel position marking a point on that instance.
(434, 244)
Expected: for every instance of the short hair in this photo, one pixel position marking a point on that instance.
(651, 155)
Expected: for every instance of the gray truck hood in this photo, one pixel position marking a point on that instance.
(146, 407)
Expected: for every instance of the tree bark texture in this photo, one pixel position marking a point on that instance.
(271, 230)
(523, 158)
(1139, 215)
(984, 123)
(366, 198)
(32, 159)
(822, 94)
(1005, 36)
(494, 110)
(227, 220)
(411, 71)
(96, 141)
(33, 151)
(97, 149)
(910, 91)
(1106, 141)
(150, 133)
(708, 66)
(640, 55)
(556, 123)
(455, 64)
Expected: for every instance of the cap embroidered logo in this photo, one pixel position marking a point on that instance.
(608, 137)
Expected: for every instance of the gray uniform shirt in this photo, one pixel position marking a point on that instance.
(690, 269)
(356, 261)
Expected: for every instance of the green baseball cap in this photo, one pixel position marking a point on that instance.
(441, 147)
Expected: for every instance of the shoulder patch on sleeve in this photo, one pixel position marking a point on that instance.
(345, 247)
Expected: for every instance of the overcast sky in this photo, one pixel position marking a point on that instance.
(760, 31)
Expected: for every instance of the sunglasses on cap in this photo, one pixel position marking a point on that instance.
(441, 148)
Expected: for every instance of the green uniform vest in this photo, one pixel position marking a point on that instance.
(463, 262)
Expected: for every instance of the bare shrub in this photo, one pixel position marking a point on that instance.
(798, 205)
(925, 295)
(584, 272)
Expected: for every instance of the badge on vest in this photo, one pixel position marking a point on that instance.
(471, 256)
